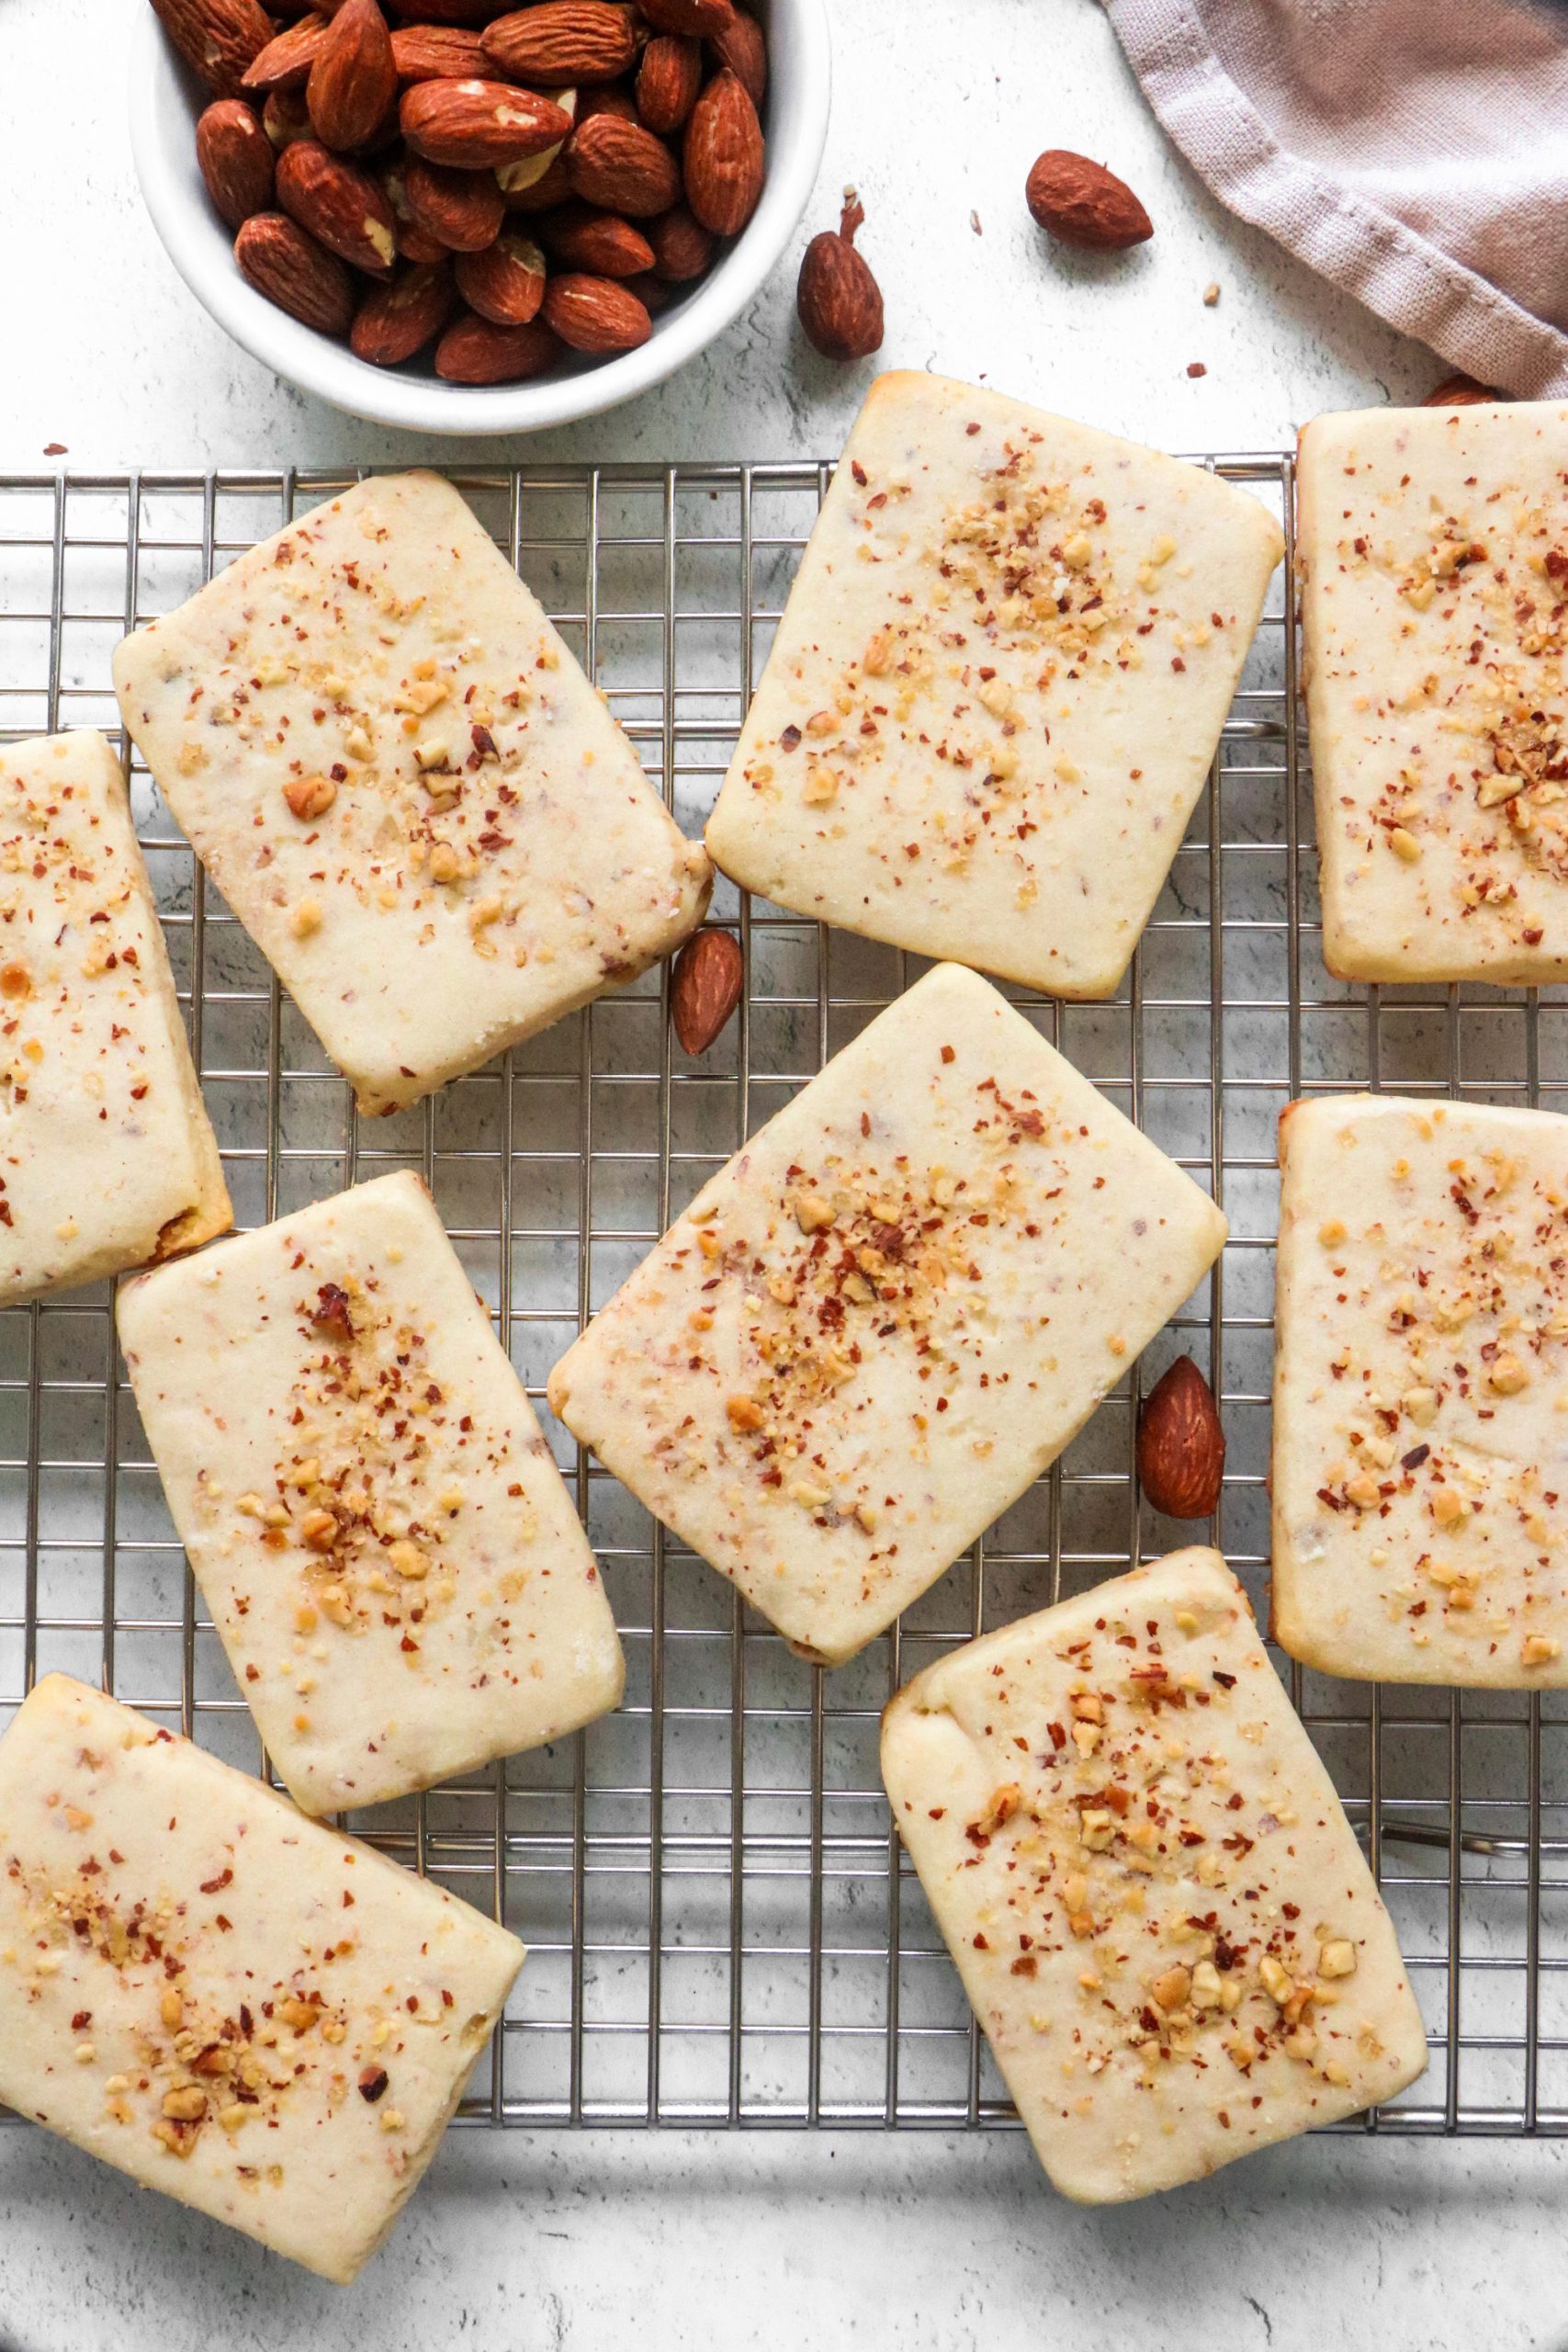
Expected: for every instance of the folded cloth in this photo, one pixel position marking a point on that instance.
(1413, 152)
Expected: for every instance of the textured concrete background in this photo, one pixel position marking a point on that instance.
(545, 2243)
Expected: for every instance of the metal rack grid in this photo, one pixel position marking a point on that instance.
(721, 1927)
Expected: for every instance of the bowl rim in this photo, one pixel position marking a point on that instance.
(198, 243)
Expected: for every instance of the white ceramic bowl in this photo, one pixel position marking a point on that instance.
(165, 101)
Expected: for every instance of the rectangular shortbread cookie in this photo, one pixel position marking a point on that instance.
(107, 1157)
(228, 2002)
(406, 788)
(390, 1557)
(1147, 1884)
(1420, 1497)
(997, 687)
(1433, 556)
(889, 1314)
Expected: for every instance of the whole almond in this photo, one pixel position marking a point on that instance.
(704, 988)
(467, 125)
(285, 63)
(1461, 391)
(286, 117)
(505, 283)
(650, 291)
(600, 242)
(692, 17)
(724, 156)
(1181, 1445)
(436, 53)
(621, 167)
(236, 160)
(839, 300)
(281, 262)
(1080, 203)
(541, 195)
(354, 81)
(595, 314)
(742, 46)
(559, 43)
(463, 210)
(682, 248)
(341, 206)
(414, 243)
(217, 39)
(473, 351)
(471, 13)
(396, 320)
(607, 98)
(668, 81)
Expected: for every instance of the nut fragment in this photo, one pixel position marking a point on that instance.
(310, 795)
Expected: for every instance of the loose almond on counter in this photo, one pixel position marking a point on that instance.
(706, 986)
(1082, 203)
(839, 300)
(1182, 1443)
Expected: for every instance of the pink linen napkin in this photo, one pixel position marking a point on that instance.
(1413, 152)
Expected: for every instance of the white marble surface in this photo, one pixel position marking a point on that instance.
(545, 2243)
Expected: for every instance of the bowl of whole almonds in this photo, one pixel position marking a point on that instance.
(459, 216)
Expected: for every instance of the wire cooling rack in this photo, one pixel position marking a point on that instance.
(720, 1925)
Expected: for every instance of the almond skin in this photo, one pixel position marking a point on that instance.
(340, 205)
(704, 988)
(839, 300)
(414, 243)
(621, 167)
(597, 241)
(668, 82)
(436, 53)
(692, 17)
(552, 188)
(725, 157)
(1461, 391)
(473, 351)
(1080, 203)
(471, 13)
(285, 116)
(1181, 1445)
(505, 283)
(285, 63)
(462, 210)
(559, 43)
(396, 320)
(742, 46)
(469, 125)
(353, 81)
(217, 39)
(281, 262)
(595, 314)
(682, 248)
(236, 160)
